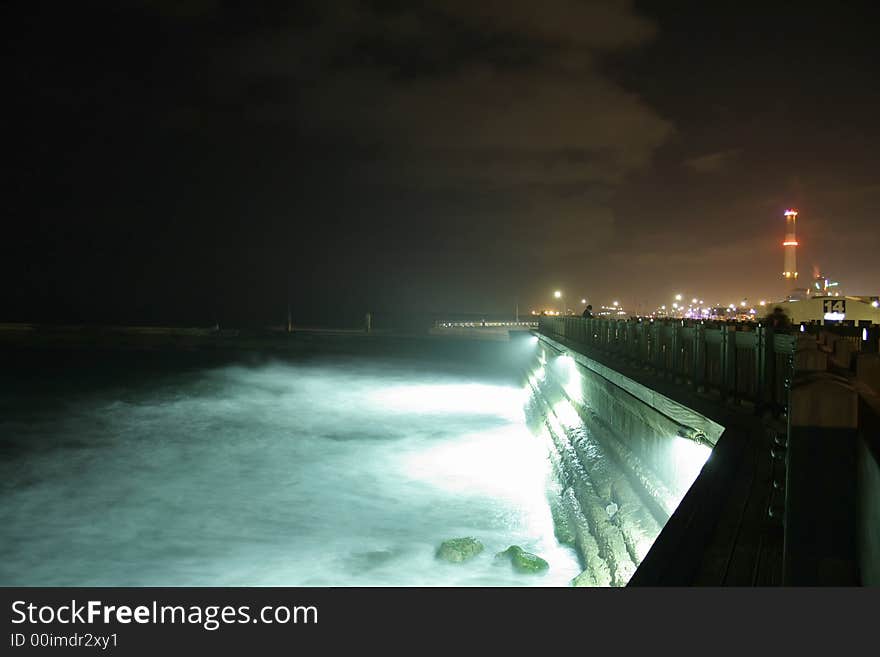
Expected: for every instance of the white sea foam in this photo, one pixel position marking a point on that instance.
(329, 473)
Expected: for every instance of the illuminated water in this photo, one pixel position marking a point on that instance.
(333, 471)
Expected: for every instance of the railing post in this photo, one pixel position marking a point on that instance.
(725, 361)
(632, 340)
(872, 346)
(732, 364)
(760, 367)
(643, 343)
(699, 359)
(770, 375)
(673, 347)
(658, 353)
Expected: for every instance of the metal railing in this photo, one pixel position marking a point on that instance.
(740, 362)
(485, 324)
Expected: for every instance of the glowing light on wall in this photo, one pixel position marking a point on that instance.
(539, 375)
(571, 376)
(835, 316)
(790, 243)
(566, 413)
(689, 458)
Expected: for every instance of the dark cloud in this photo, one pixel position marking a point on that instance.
(712, 162)
(437, 97)
(444, 154)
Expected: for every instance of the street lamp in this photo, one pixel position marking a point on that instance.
(558, 294)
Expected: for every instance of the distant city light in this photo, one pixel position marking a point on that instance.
(557, 294)
(583, 300)
(694, 300)
(678, 297)
(615, 304)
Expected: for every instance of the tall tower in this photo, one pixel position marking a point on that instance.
(789, 268)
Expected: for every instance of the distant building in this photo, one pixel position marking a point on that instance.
(853, 310)
(823, 286)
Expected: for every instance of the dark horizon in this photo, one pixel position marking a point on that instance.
(177, 162)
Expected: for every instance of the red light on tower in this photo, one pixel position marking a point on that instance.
(790, 245)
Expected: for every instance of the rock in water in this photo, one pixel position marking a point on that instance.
(457, 550)
(524, 562)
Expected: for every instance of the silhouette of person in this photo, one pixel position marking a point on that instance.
(778, 319)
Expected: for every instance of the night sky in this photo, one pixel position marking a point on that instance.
(173, 161)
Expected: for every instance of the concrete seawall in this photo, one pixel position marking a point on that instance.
(788, 495)
(623, 457)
